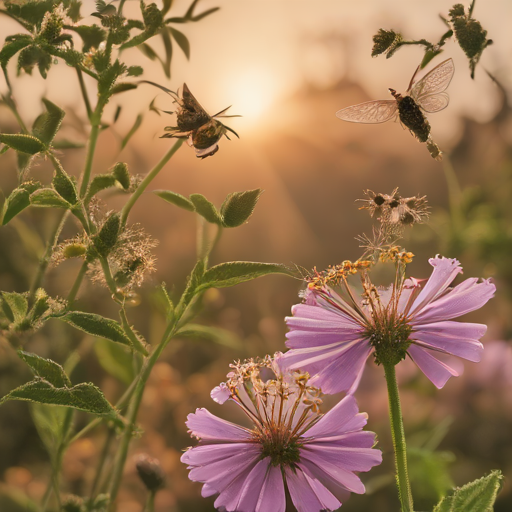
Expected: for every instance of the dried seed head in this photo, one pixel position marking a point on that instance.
(385, 41)
(150, 472)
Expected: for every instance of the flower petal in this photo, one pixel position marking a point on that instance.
(253, 487)
(209, 453)
(308, 497)
(205, 425)
(436, 371)
(464, 298)
(272, 496)
(445, 270)
(456, 338)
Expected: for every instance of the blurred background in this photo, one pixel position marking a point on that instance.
(286, 67)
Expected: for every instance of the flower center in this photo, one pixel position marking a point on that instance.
(280, 449)
(390, 340)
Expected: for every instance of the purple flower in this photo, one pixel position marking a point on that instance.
(331, 337)
(290, 444)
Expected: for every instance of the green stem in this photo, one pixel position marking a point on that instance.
(397, 432)
(147, 180)
(454, 192)
(76, 285)
(101, 464)
(91, 147)
(150, 503)
(84, 92)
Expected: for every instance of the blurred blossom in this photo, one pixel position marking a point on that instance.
(496, 368)
(316, 455)
(332, 337)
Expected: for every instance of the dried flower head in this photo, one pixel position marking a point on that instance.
(291, 443)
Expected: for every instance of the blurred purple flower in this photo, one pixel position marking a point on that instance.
(291, 443)
(332, 337)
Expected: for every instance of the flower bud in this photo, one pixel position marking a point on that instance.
(150, 472)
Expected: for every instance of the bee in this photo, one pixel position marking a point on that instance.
(425, 95)
(193, 123)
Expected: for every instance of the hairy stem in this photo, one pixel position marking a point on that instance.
(76, 285)
(84, 92)
(147, 180)
(398, 435)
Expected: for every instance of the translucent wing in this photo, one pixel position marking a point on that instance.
(434, 102)
(435, 81)
(374, 112)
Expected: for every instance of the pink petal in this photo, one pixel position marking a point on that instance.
(208, 453)
(445, 270)
(208, 491)
(220, 393)
(305, 497)
(205, 425)
(436, 371)
(305, 339)
(230, 495)
(463, 299)
(456, 338)
(349, 459)
(361, 439)
(342, 418)
(344, 372)
(253, 487)
(272, 496)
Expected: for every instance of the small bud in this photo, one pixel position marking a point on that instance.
(40, 305)
(385, 41)
(238, 207)
(121, 174)
(73, 504)
(153, 17)
(52, 25)
(150, 472)
(105, 240)
(74, 250)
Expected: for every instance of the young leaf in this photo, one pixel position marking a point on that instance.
(49, 422)
(206, 209)
(238, 207)
(22, 142)
(48, 198)
(64, 186)
(134, 128)
(193, 282)
(235, 272)
(105, 240)
(17, 304)
(97, 326)
(477, 496)
(121, 174)
(176, 199)
(13, 46)
(116, 360)
(46, 369)
(18, 200)
(215, 334)
(100, 182)
(84, 397)
(48, 123)
(92, 35)
(123, 87)
(182, 41)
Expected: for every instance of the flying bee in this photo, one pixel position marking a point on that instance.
(425, 95)
(193, 123)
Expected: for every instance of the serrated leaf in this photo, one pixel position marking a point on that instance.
(97, 325)
(206, 209)
(100, 182)
(22, 142)
(17, 304)
(48, 198)
(182, 41)
(116, 360)
(210, 333)
(46, 369)
(235, 272)
(176, 199)
(238, 207)
(13, 46)
(477, 496)
(48, 123)
(92, 35)
(84, 397)
(134, 128)
(64, 186)
(18, 200)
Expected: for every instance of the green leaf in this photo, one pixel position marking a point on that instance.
(92, 35)
(134, 128)
(18, 200)
(477, 496)
(100, 182)
(194, 280)
(116, 360)
(84, 397)
(121, 174)
(17, 304)
(47, 124)
(206, 209)
(176, 199)
(46, 369)
(67, 144)
(235, 272)
(48, 198)
(166, 39)
(134, 71)
(22, 142)
(182, 41)
(49, 422)
(123, 87)
(215, 334)
(13, 46)
(105, 240)
(64, 186)
(97, 326)
(238, 207)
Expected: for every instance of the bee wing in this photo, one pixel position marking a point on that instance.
(434, 102)
(435, 81)
(374, 112)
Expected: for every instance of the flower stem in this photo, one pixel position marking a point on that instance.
(147, 180)
(397, 432)
(76, 285)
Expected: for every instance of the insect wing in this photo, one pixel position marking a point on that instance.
(435, 81)
(434, 102)
(191, 115)
(374, 112)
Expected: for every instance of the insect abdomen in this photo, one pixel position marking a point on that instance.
(412, 117)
